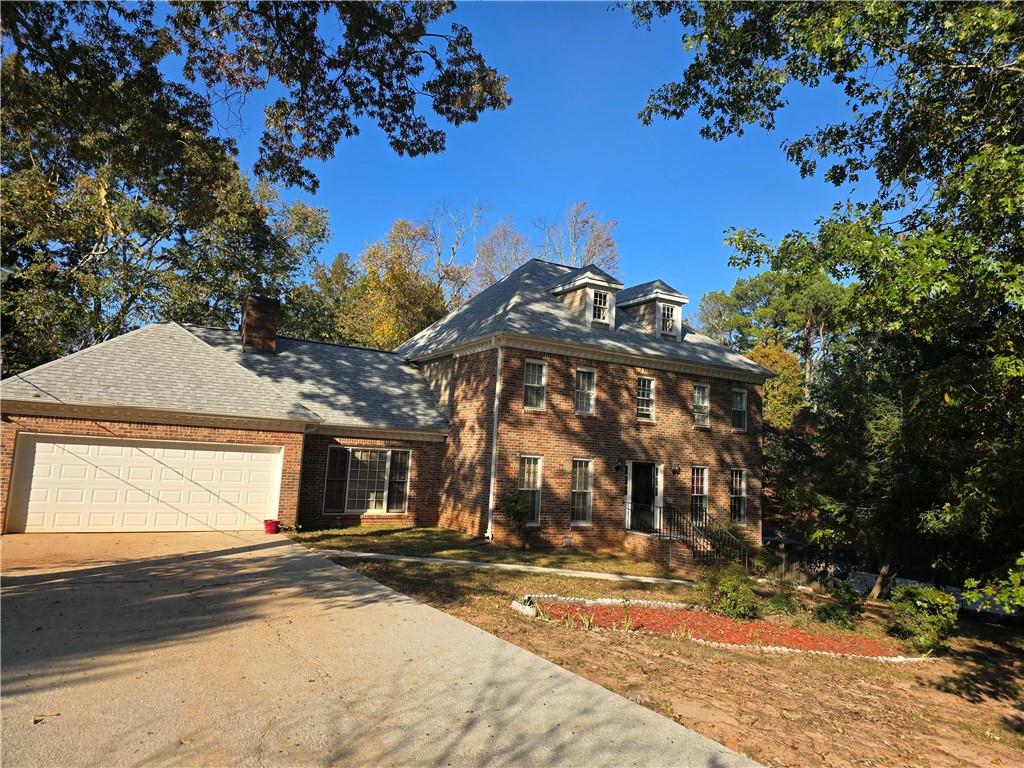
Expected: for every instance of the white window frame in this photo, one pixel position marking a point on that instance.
(576, 390)
(654, 384)
(540, 484)
(607, 307)
(746, 409)
(742, 495)
(707, 486)
(387, 481)
(589, 492)
(610, 320)
(543, 384)
(677, 321)
(707, 406)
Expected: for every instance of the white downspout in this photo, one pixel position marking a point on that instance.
(494, 450)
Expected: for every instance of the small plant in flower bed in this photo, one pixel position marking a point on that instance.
(844, 608)
(783, 600)
(696, 624)
(729, 591)
(924, 616)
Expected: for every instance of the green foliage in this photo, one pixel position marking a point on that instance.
(783, 600)
(922, 615)
(784, 392)
(1007, 594)
(729, 592)
(844, 607)
(516, 510)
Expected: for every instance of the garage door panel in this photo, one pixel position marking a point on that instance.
(75, 484)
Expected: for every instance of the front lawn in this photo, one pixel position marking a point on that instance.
(794, 710)
(442, 542)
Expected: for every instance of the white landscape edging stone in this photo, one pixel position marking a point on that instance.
(527, 607)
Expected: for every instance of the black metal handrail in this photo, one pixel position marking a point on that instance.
(709, 542)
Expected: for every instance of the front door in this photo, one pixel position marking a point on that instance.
(643, 493)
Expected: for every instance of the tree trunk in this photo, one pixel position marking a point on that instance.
(885, 574)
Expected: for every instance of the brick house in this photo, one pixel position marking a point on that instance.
(594, 403)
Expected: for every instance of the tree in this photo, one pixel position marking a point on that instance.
(581, 238)
(337, 64)
(318, 308)
(783, 393)
(503, 250)
(936, 116)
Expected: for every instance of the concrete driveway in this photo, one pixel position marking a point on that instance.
(245, 649)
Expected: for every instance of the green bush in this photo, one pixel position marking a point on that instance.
(783, 600)
(922, 615)
(729, 592)
(843, 608)
(517, 512)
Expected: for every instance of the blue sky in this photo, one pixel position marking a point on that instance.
(578, 75)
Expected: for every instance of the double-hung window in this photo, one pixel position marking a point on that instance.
(668, 320)
(701, 408)
(582, 491)
(699, 495)
(738, 495)
(739, 409)
(645, 397)
(600, 313)
(586, 387)
(529, 486)
(361, 480)
(534, 391)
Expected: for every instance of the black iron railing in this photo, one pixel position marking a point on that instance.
(710, 542)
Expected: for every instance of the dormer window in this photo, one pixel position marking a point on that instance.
(668, 319)
(600, 307)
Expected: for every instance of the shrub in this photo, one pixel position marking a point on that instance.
(516, 510)
(843, 608)
(922, 615)
(729, 591)
(783, 600)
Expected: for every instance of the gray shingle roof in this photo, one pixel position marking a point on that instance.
(521, 303)
(636, 291)
(345, 386)
(160, 366)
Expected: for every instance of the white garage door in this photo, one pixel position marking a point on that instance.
(65, 483)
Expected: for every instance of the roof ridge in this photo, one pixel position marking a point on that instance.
(81, 352)
(186, 326)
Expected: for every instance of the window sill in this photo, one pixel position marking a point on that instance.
(642, 420)
(581, 525)
(704, 427)
(738, 431)
(584, 415)
(534, 410)
(533, 525)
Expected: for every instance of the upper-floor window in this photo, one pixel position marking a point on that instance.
(701, 408)
(738, 495)
(739, 409)
(645, 397)
(668, 319)
(535, 384)
(600, 307)
(586, 385)
(529, 486)
(699, 495)
(582, 491)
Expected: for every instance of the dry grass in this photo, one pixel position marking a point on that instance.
(963, 710)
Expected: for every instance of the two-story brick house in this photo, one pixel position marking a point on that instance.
(594, 403)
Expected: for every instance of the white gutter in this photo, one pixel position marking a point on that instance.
(494, 449)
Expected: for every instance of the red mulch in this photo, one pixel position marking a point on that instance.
(702, 625)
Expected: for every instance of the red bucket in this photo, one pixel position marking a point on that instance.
(270, 526)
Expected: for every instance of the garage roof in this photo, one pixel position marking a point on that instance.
(160, 367)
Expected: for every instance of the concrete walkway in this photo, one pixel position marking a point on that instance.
(244, 649)
(349, 554)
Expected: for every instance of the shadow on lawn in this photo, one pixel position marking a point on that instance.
(989, 667)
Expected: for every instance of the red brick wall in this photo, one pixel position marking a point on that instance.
(614, 433)
(425, 481)
(467, 462)
(12, 424)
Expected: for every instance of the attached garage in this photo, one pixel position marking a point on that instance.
(80, 484)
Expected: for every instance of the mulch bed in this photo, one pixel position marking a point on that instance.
(702, 625)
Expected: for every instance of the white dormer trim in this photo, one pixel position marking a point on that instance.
(589, 280)
(658, 295)
(590, 306)
(678, 319)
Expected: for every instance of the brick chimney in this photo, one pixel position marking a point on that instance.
(260, 320)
